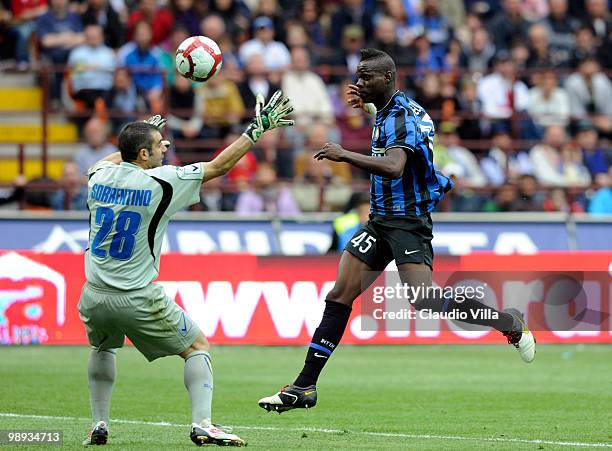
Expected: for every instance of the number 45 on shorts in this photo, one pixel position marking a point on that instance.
(363, 242)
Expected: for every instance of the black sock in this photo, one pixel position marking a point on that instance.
(324, 341)
(504, 321)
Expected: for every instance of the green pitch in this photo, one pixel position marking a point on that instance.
(402, 397)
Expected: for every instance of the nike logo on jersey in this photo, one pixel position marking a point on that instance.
(411, 252)
(320, 355)
(183, 330)
(189, 172)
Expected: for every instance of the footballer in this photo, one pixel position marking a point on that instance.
(131, 197)
(404, 189)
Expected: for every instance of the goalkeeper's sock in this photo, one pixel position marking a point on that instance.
(101, 376)
(324, 341)
(199, 383)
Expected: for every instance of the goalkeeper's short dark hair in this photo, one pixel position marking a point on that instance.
(133, 137)
(381, 60)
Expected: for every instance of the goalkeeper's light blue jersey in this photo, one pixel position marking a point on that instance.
(129, 212)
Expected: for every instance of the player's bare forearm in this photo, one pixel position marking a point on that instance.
(384, 166)
(390, 165)
(227, 159)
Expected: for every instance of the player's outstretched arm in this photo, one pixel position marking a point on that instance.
(266, 118)
(226, 160)
(391, 165)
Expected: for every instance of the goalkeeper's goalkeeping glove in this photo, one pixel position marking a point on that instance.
(266, 117)
(270, 116)
(157, 121)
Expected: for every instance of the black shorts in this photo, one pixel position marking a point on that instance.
(405, 240)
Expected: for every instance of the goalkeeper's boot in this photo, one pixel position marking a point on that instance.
(290, 397)
(214, 435)
(98, 435)
(520, 336)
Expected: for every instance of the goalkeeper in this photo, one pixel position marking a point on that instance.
(131, 198)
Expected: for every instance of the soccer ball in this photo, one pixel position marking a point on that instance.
(198, 58)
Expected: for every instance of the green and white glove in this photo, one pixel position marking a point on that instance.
(270, 116)
(370, 108)
(157, 120)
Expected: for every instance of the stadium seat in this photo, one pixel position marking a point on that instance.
(31, 169)
(20, 98)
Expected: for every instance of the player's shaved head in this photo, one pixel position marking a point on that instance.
(133, 137)
(378, 60)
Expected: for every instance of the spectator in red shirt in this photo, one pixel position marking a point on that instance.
(28, 9)
(160, 19)
(24, 15)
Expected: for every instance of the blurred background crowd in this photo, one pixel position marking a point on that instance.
(519, 91)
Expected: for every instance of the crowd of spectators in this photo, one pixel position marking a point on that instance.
(519, 90)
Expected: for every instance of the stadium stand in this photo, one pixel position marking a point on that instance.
(520, 92)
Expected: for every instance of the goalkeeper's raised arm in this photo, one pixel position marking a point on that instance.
(266, 118)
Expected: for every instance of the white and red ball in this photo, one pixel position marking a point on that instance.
(198, 58)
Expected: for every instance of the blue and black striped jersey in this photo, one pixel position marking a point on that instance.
(404, 123)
